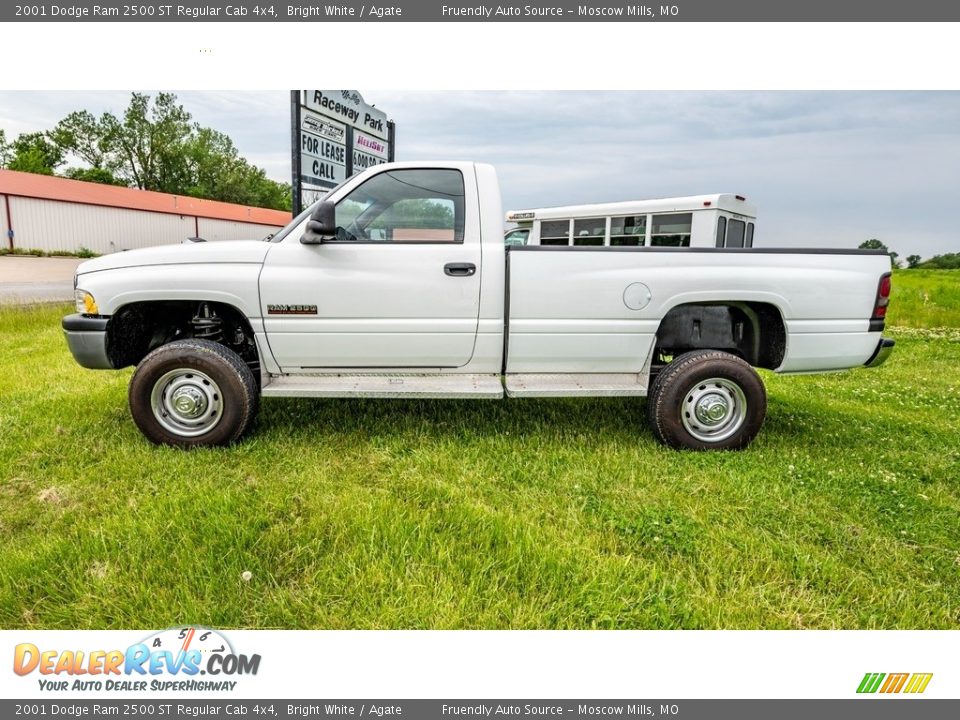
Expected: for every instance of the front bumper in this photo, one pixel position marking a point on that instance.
(880, 355)
(87, 339)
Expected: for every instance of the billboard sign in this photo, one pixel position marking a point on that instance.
(335, 135)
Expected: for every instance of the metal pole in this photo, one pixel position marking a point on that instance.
(392, 139)
(6, 203)
(349, 157)
(295, 185)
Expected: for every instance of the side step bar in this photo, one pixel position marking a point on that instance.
(385, 386)
(574, 384)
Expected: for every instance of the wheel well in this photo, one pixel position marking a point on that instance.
(753, 331)
(136, 329)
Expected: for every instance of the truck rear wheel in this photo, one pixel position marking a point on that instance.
(707, 400)
(192, 393)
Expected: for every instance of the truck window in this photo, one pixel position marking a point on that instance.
(404, 206)
(516, 237)
(749, 242)
(671, 230)
(591, 231)
(628, 231)
(555, 232)
(735, 233)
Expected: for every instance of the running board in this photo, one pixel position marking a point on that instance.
(574, 384)
(385, 386)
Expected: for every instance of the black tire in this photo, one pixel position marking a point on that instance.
(192, 393)
(707, 400)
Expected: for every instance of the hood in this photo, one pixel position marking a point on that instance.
(227, 251)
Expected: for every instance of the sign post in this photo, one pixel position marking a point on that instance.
(334, 135)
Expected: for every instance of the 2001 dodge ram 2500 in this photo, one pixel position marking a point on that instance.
(398, 284)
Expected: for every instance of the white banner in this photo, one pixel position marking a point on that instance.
(474, 664)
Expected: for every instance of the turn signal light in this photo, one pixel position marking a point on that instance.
(85, 303)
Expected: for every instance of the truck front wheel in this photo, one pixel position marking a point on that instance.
(192, 393)
(707, 400)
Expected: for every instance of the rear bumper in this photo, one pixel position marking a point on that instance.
(880, 355)
(87, 340)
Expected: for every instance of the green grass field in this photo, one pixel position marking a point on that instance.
(477, 514)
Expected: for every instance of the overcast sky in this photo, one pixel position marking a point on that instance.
(823, 168)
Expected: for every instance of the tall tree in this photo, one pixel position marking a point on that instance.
(6, 152)
(153, 145)
(35, 153)
(83, 135)
(147, 143)
(216, 170)
(913, 261)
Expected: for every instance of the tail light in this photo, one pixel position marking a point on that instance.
(883, 299)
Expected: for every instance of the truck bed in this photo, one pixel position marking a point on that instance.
(598, 309)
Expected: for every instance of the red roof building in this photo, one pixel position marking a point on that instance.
(53, 213)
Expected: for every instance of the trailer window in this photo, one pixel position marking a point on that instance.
(671, 230)
(735, 232)
(628, 231)
(555, 232)
(721, 230)
(589, 232)
(749, 242)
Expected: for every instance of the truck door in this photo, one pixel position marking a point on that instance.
(398, 288)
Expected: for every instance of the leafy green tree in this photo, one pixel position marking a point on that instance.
(874, 244)
(147, 143)
(35, 153)
(6, 152)
(84, 136)
(947, 261)
(94, 175)
(913, 261)
(154, 145)
(216, 170)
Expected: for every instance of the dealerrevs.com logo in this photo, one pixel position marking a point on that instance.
(889, 683)
(179, 659)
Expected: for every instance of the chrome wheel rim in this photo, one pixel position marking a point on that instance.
(186, 402)
(713, 410)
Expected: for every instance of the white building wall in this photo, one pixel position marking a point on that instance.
(53, 225)
(213, 230)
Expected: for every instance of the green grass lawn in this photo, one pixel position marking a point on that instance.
(845, 513)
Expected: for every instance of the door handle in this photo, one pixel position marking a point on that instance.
(460, 269)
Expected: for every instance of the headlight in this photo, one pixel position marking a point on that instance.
(85, 303)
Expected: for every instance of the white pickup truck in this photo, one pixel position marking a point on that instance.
(398, 284)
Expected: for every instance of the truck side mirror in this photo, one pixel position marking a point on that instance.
(322, 225)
